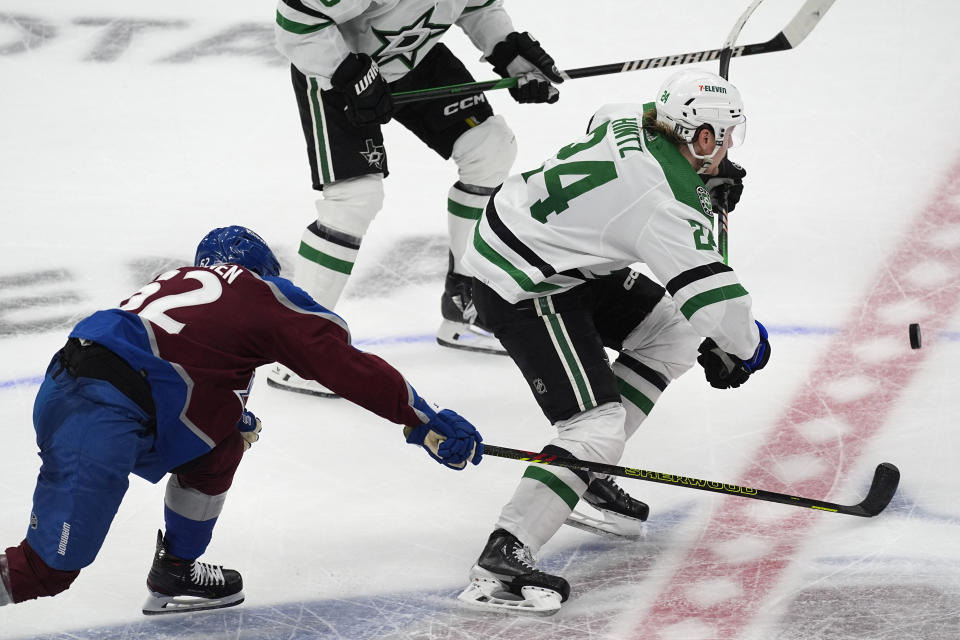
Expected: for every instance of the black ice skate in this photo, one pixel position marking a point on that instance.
(178, 586)
(622, 515)
(459, 329)
(504, 579)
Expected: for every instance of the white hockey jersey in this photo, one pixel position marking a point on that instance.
(316, 35)
(618, 196)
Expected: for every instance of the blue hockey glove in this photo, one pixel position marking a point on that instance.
(727, 186)
(726, 371)
(520, 56)
(249, 426)
(448, 438)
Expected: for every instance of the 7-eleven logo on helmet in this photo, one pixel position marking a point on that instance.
(709, 88)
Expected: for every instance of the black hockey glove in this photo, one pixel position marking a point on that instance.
(726, 187)
(726, 371)
(367, 94)
(520, 56)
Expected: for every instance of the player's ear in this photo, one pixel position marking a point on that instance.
(705, 139)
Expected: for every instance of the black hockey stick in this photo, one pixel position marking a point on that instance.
(726, 53)
(884, 485)
(792, 35)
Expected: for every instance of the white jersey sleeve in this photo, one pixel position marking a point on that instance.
(707, 292)
(308, 35)
(486, 23)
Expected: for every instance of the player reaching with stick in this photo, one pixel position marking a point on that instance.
(158, 385)
(347, 57)
(551, 258)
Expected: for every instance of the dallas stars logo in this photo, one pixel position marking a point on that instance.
(405, 43)
(374, 154)
(705, 203)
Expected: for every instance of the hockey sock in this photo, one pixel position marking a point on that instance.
(186, 538)
(190, 516)
(465, 204)
(543, 500)
(324, 263)
(640, 388)
(547, 495)
(541, 503)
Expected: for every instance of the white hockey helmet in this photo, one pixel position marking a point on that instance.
(692, 98)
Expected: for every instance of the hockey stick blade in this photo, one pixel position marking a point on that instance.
(884, 485)
(806, 19)
(792, 35)
(886, 479)
(726, 52)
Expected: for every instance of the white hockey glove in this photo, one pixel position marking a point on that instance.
(520, 56)
(249, 427)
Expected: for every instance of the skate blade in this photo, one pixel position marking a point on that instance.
(612, 525)
(288, 381)
(159, 604)
(483, 594)
(304, 390)
(466, 337)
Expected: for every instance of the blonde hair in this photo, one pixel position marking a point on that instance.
(650, 123)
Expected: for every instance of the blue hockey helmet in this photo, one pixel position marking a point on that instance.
(237, 245)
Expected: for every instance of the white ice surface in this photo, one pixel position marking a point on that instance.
(116, 156)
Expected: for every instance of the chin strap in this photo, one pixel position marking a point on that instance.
(707, 160)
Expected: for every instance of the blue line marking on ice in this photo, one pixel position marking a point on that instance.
(783, 330)
(802, 331)
(21, 382)
(395, 340)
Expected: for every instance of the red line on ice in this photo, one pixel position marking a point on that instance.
(715, 595)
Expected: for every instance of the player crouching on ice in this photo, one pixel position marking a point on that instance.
(551, 257)
(157, 386)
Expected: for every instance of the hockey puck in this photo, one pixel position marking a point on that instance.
(914, 336)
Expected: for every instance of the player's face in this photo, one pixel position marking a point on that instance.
(706, 143)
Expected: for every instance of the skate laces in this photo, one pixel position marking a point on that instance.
(206, 574)
(613, 486)
(616, 487)
(522, 554)
(464, 303)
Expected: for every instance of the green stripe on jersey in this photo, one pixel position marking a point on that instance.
(522, 279)
(324, 260)
(463, 211)
(555, 484)
(681, 177)
(485, 4)
(719, 294)
(299, 28)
